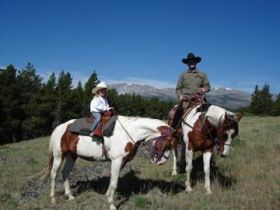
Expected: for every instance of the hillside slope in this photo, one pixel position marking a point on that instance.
(225, 97)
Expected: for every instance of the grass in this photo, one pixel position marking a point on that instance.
(248, 179)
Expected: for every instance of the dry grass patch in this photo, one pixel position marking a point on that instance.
(247, 179)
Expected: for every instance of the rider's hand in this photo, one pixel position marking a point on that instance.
(203, 90)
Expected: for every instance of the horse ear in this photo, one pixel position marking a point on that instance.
(238, 116)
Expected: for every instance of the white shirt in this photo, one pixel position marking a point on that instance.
(99, 104)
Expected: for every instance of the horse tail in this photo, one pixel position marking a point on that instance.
(51, 157)
(45, 171)
(50, 164)
(55, 136)
(41, 174)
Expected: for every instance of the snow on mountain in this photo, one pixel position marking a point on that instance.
(225, 97)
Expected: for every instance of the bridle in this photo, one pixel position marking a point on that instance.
(233, 119)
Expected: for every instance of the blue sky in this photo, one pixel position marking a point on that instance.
(144, 41)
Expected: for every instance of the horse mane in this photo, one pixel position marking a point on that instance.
(128, 121)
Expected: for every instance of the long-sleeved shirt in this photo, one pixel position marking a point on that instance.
(99, 104)
(190, 83)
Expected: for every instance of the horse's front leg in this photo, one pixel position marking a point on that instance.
(189, 158)
(206, 167)
(115, 170)
(174, 168)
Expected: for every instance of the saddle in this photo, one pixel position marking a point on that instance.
(186, 109)
(186, 106)
(106, 126)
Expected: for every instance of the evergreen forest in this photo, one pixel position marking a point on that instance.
(31, 107)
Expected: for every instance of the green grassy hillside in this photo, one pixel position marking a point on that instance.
(247, 179)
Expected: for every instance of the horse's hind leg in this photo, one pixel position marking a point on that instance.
(56, 164)
(206, 167)
(68, 166)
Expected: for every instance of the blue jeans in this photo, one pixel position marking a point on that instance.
(97, 118)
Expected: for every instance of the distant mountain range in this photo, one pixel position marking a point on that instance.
(225, 97)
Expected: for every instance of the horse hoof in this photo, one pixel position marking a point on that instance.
(112, 207)
(208, 192)
(188, 189)
(174, 173)
(53, 201)
(71, 197)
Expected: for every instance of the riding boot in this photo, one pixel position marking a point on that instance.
(177, 116)
(181, 160)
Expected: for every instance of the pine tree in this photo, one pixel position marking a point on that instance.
(10, 123)
(276, 106)
(77, 97)
(63, 91)
(261, 102)
(266, 97)
(48, 103)
(30, 92)
(113, 99)
(256, 101)
(91, 83)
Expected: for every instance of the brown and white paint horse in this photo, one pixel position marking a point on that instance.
(202, 131)
(119, 149)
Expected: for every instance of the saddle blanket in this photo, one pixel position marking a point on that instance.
(82, 126)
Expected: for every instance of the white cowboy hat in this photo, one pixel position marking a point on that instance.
(99, 86)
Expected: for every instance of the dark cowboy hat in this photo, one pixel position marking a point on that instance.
(191, 58)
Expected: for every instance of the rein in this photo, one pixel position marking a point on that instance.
(135, 143)
(219, 124)
(126, 131)
(211, 136)
(124, 128)
(184, 116)
(183, 121)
